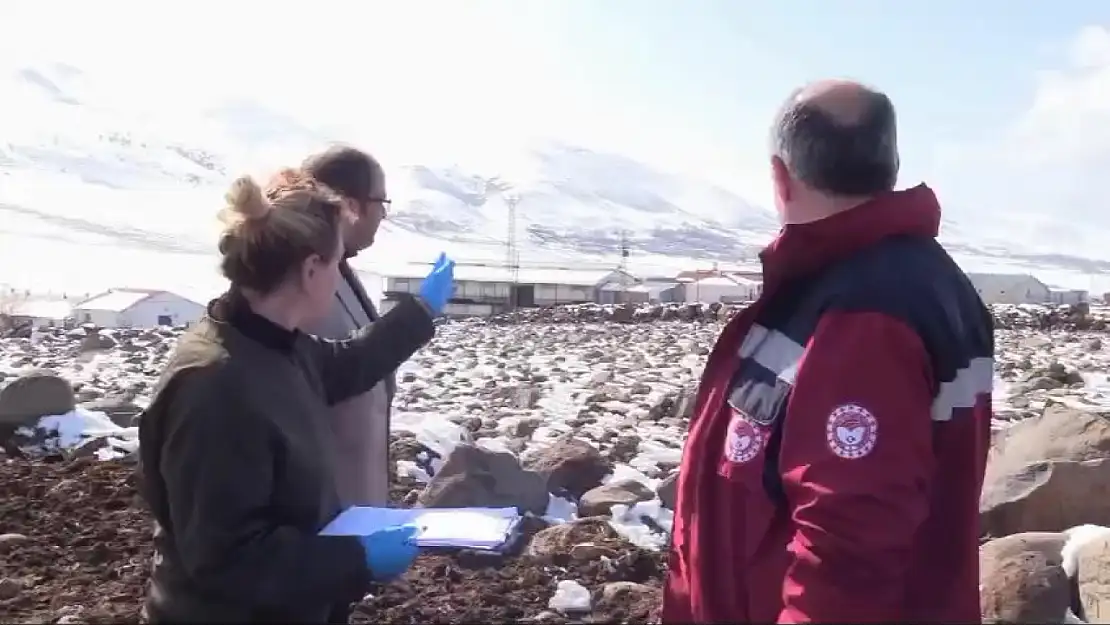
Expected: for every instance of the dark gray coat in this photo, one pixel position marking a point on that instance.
(235, 469)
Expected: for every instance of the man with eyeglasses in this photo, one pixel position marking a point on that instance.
(361, 424)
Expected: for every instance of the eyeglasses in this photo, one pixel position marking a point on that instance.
(384, 202)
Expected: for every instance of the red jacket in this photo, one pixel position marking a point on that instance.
(834, 462)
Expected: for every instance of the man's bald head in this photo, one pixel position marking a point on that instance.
(839, 138)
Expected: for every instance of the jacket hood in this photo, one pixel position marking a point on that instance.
(803, 248)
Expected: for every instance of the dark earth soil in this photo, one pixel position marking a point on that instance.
(75, 545)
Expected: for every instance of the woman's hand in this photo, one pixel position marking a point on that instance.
(390, 552)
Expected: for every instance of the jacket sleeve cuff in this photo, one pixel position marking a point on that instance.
(424, 304)
(346, 554)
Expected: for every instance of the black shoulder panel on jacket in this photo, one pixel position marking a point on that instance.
(913, 279)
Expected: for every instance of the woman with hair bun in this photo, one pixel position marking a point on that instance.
(232, 445)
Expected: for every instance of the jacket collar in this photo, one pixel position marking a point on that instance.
(232, 309)
(355, 285)
(801, 249)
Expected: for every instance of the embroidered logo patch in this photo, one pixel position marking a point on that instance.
(851, 431)
(744, 439)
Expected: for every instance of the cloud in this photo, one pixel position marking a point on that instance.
(400, 75)
(1041, 179)
(1066, 124)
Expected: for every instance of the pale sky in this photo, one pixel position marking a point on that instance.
(1003, 104)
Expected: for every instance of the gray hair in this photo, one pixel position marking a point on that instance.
(841, 157)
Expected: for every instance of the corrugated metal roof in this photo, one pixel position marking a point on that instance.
(659, 287)
(116, 300)
(717, 281)
(526, 275)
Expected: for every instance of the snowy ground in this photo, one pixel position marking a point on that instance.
(519, 388)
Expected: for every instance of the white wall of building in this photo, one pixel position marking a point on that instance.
(479, 291)
(156, 310)
(1069, 297)
(564, 293)
(97, 317)
(720, 289)
(468, 289)
(1010, 289)
(151, 312)
(491, 291)
(43, 313)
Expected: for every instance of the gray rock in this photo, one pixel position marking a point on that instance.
(599, 501)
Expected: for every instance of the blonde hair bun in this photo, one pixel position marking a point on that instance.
(245, 202)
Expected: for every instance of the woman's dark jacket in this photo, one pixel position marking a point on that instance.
(235, 472)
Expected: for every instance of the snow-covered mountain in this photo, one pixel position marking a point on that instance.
(582, 201)
(95, 191)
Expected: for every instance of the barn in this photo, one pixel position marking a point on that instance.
(485, 290)
(1068, 296)
(1010, 288)
(41, 312)
(719, 288)
(137, 308)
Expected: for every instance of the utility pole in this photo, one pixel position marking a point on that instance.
(512, 255)
(623, 266)
(496, 186)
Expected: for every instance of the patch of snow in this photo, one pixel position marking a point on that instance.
(635, 523)
(494, 443)
(76, 426)
(409, 468)
(433, 430)
(80, 427)
(560, 510)
(1077, 538)
(622, 472)
(570, 596)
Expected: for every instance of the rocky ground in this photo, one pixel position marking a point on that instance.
(576, 416)
(75, 548)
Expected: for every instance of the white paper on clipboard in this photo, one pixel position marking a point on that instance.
(473, 528)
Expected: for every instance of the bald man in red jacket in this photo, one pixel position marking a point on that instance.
(836, 455)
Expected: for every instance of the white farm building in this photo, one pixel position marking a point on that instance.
(1010, 288)
(137, 308)
(482, 290)
(1068, 296)
(720, 288)
(41, 312)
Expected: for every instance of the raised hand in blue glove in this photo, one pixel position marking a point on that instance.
(390, 552)
(439, 285)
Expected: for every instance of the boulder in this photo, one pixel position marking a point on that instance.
(569, 464)
(598, 501)
(34, 395)
(474, 476)
(1048, 474)
(1048, 496)
(667, 491)
(562, 541)
(1022, 579)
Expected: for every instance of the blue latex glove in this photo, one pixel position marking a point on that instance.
(439, 285)
(390, 552)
